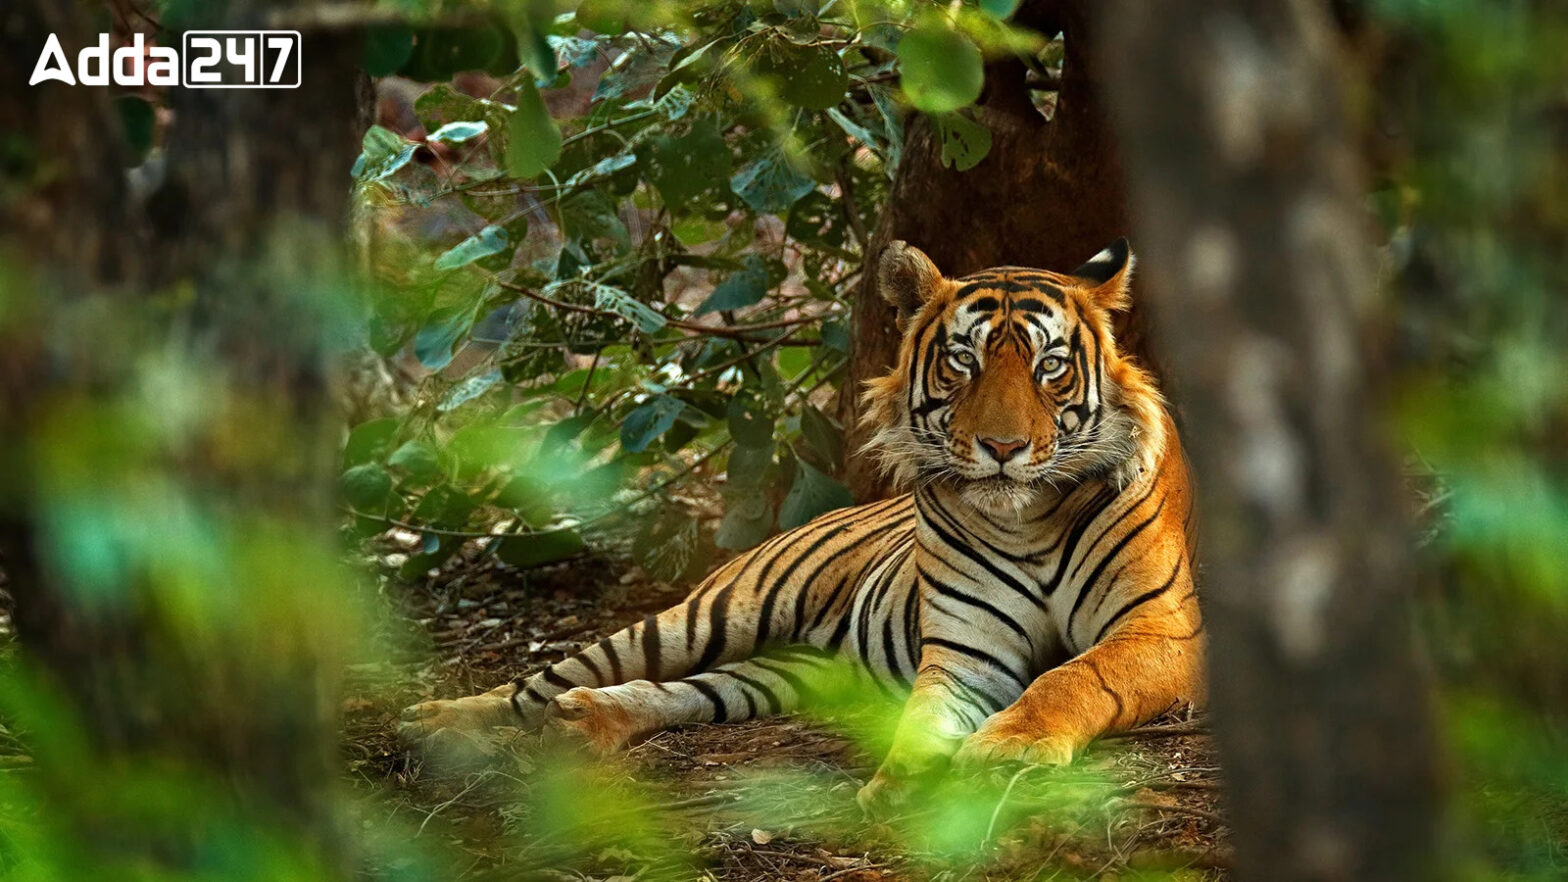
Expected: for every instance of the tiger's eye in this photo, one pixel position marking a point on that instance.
(1049, 367)
(964, 359)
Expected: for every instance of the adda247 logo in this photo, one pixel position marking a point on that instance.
(207, 60)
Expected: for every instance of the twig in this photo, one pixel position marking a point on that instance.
(1195, 727)
(1205, 814)
(996, 812)
(437, 810)
(847, 870)
(394, 522)
(741, 332)
(691, 467)
(720, 368)
(607, 126)
(1161, 780)
(593, 366)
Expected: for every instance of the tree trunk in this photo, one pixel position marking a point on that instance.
(221, 270)
(1049, 194)
(1248, 194)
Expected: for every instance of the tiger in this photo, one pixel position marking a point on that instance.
(1032, 590)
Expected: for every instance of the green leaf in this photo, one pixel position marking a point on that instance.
(564, 432)
(533, 138)
(573, 50)
(793, 361)
(433, 343)
(748, 519)
(770, 185)
(480, 446)
(814, 221)
(379, 144)
(739, 289)
(534, 49)
(812, 494)
(458, 132)
(529, 498)
(939, 68)
(999, 9)
(687, 167)
(695, 229)
(824, 435)
(647, 319)
(417, 460)
(653, 418)
(446, 506)
(369, 441)
(527, 550)
(964, 141)
(811, 77)
(853, 129)
(748, 466)
(603, 16)
(835, 335)
(750, 425)
(488, 241)
(604, 168)
(468, 390)
(892, 121)
(674, 103)
(367, 487)
(387, 48)
(383, 152)
(444, 104)
(591, 215)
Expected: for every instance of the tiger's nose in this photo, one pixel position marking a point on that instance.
(1002, 449)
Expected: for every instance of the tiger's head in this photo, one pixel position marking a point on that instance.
(1008, 381)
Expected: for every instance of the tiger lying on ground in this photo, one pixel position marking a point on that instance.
(1032, 592)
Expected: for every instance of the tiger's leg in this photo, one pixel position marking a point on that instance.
(1147, 665)
(606, 719)
(956, 688)
(657, 647)
(742, 605)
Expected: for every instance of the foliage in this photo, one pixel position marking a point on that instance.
(1475, 221)
(652, 281)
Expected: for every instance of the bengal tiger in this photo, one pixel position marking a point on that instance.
(1033, 590)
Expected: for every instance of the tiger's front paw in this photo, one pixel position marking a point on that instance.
(883, 795)
(473, 713)
(900, 778)
(592, 719)
(1001, 740)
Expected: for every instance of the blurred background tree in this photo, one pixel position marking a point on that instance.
(167, 511)
(1250, 188)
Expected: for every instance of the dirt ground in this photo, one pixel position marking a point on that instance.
(763, 800)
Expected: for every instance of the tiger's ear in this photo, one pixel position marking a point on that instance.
(1108, 274)
(906, 277)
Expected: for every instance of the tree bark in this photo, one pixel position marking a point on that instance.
(1049, 194)
(223, 266)
(1248, 192)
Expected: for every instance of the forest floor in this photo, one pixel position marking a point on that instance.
(763, 800)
